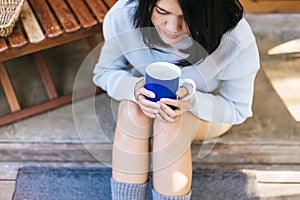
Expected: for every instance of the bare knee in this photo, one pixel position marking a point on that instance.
(180, 132)
(131, 120)
(164, 133)
(133, 129)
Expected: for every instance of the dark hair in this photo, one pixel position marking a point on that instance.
(207, 21)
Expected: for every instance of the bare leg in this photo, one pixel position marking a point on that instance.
(131, 145)
(172, 162)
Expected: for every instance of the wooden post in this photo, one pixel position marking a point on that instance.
(9, 89)
(41, 64)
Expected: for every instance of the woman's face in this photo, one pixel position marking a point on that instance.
(167, 18)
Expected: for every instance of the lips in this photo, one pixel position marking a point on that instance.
(170, 35)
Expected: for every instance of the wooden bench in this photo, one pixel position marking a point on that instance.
(44, 24)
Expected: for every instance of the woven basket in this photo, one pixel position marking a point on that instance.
(9, 14)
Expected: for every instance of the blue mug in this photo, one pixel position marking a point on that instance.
(164, 79)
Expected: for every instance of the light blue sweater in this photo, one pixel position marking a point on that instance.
(225, 79)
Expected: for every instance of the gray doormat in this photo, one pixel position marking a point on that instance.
(35, 183)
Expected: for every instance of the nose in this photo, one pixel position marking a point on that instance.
(174, 24)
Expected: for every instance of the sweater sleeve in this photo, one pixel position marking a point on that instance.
(232, 104)
(111, 72)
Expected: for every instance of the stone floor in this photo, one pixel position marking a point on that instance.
(267, 144)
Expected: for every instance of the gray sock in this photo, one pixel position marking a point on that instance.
(157, 196)
(127, 191)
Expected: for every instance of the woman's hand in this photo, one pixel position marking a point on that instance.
(167, 114)
(149, 108)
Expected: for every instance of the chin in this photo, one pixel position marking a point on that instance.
(171, 41)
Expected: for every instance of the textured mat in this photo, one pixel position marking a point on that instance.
(35, 183)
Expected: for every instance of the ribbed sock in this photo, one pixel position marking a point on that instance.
(127, 191)
(157, 196)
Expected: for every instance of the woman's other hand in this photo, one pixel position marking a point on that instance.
(149, 108)
(167, 114)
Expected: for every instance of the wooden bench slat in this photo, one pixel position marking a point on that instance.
(17, 38)
(11, 53)
(46, 18)
(99, 9)
(8, 89)
(30, 24)
(64, 15)
(3, 45)
(110, 3)
(82, 12)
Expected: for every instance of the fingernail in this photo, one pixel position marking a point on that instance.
(152, 95)
(157, 105)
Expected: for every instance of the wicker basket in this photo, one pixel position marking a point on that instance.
(9, 14)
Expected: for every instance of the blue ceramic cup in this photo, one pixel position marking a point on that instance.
(164, 79)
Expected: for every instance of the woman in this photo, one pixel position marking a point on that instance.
(140, 32)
